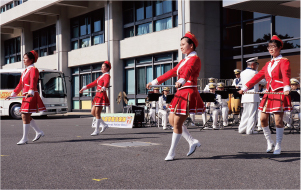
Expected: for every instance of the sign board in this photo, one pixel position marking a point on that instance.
(119, 120)
(6, 93)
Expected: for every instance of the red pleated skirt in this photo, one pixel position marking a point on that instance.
(275, 103)
(32, 104)
(101, 99)
(187, 101)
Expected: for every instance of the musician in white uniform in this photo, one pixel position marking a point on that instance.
(224, 104)
(287, 117)
(250, 101)
(237, 80)
(214, 107)
(211, 81)
(163, 108)
(154, 107)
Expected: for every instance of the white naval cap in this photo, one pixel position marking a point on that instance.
(237, 71)
(253, 60)
(294, 81)
(220, 84)
(212, 85)
(211, 80)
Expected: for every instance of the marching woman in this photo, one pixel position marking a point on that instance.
(32, 102)
(277, 73)
(101, 98)
(187, 99)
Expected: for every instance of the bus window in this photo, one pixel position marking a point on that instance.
(9, 80)
(52, 85)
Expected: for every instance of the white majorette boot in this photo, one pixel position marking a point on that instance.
(279, 136)
(270, 142)
(103, 125)
(25, 134)
(193, 143)
(174, 141)
(39, 132)
(93, 122)
(96, 131)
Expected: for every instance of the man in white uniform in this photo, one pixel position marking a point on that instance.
(237, 80)
(250, 101)
(211, 81)
(154, 107)
(214, 107)
(224, 104)
(163, 108)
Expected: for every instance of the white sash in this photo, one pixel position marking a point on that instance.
(102, 76)
(186, 59)
(271, 67)
(24, 73)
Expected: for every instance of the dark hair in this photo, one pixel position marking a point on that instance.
(189, 41)
(278, 43)
(107, 66)
(30, 56)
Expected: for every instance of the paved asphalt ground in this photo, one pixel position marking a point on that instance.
(69, 158)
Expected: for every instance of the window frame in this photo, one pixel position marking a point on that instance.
(92, 34)
(7, 43)
(37, 35)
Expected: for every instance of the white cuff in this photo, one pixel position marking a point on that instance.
(31, 92)
(155, 82)
(244, 88)
(104, 88)
(286, 88)
(13, 94)
(84, 87)
(182, 81)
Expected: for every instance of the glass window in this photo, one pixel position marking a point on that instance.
(175, 21)
(257, 31)
(131, 102)
(97, 17)
(2, 9)
(231, 35)
(18, 45)
(75, 104)
(129, 32)
(255, 49)
(231, 16)
(129, 62)
(141, 89)
(74, 45)
(85, 42)
(51, 50)
(44, 41)
(149, 74)
(85, 80)
(291, 44)
(52, 36)
(163, 7)
(75, 70)
(286, 27)
(148, 9)
(12, 59)
(144, 28)
(7, 60)
(128, 11)
(43, 52)
(142, 60)
(163, 24)
(13, 79)
(98, 39)
(139, 10)
(130, 81)
(164, 57)
(252, 15)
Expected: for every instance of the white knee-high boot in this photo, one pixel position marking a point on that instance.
(96, 131)
(267, 135)
(25, 134)
(93, 122)
(193, 143)
(103, 125)
(174, 141)
(39, 132)
(279, 136)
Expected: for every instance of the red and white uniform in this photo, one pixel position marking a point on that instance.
(102, 82)
(187, 100)
(277, 73)
(28, 85)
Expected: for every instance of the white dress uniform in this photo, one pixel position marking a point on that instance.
(206, 90)
(287, 116)
(237, 82)
(153, 110)
(215, 108)
(163, 110)
(250, 103)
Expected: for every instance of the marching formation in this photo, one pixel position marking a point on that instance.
(273, 81)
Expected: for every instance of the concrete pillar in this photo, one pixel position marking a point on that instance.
(62, 49)
(26, 41)
(115, 29)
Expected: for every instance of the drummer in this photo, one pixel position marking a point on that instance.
(237, 80)
(154, 106)
(224, 104)
(211, 81)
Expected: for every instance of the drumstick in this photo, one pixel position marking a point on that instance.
(11, 97)
(263, 93)
(162, 86)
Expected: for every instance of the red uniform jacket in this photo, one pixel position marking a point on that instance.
(189, 71)
(277, 74)
(28, 81)
(102, 81)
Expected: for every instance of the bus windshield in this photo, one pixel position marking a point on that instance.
(9, 80)
(53, 85)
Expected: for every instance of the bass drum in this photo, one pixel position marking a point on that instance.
(235, 105)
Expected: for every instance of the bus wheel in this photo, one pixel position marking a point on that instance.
(14, 111)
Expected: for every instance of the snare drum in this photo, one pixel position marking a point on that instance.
(229, 104)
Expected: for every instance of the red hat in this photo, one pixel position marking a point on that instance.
(275, 37)
(35, 54)
(192, 37)
(108, 63)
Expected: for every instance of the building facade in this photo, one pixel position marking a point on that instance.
(140, 38)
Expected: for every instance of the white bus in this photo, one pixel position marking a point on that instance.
(51, 87)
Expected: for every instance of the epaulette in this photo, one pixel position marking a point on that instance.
(284, 58)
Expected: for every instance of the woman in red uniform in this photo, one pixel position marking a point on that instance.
(187, 99)
(101, 98)
(277, 73)
(32, 102)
